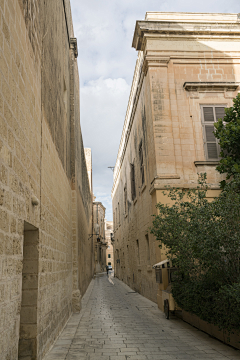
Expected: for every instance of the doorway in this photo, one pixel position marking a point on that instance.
(27, 348)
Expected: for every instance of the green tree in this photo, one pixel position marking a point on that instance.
(203, 240)
(228, 133)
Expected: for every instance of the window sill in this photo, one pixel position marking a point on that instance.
(208, 163)
(139, 268)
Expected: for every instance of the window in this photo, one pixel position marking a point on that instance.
(118, 214)
(138, 254)
(109, 263)
(210, 114)
(109, 256)
(141, 163)
(125, 199)
(148, 249)
(133, 187)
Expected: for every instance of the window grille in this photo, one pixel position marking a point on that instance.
(158, 273)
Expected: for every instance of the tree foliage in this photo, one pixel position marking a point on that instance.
(203, 239)
(228, 133)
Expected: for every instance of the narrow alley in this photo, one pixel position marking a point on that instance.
(117, 323)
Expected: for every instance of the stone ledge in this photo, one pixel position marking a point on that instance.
(210, 86)
(208, 163)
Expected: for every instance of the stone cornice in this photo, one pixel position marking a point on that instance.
(183, 29)
(206, 163)
(210, 86)
(165, 187)
(154, 61)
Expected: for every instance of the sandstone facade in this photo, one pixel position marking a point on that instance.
(109, 246)
(46, 260)
(99, 239)
(187, 72)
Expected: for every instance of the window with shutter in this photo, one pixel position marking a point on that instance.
(118, 214)
(133, 187)
(211, 114)
(141, 163)
(125, 199)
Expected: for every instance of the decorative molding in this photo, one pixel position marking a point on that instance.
(154, 61)
(208, 163)
(210, 86)
(194, 29)
(73, 46)
(164, 187)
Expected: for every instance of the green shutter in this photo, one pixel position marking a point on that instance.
(211, 146)
(220, 112)
(208, 114)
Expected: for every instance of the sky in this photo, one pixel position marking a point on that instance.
(104, 31)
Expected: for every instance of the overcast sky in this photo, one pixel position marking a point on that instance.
(104, 30)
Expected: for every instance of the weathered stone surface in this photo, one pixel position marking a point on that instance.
(116, 323)
(42, 157)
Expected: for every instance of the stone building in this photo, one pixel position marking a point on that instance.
(109, 246)
(187, 72)
(46, 257)
(99, 239)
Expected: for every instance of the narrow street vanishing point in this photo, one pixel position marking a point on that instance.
(117, 323)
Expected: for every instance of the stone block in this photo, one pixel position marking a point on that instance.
(28, 331)
(28, 315)
(27, 348)
(30, 252)
(29, 297)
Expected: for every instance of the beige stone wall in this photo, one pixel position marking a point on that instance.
(109, 246)
(20, 156)
(178, 70)
(132, 221)
(99, 242)
(37, 182)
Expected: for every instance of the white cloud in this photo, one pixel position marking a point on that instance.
(103, 107)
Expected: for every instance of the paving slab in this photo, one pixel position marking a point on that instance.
(117, 323)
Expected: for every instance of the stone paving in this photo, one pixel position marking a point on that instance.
(117, 323)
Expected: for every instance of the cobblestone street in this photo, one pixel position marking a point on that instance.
(117, 323)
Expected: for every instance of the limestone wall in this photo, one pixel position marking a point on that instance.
(183, 65)
(44, 188)
(133, 218)
(109, 248)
